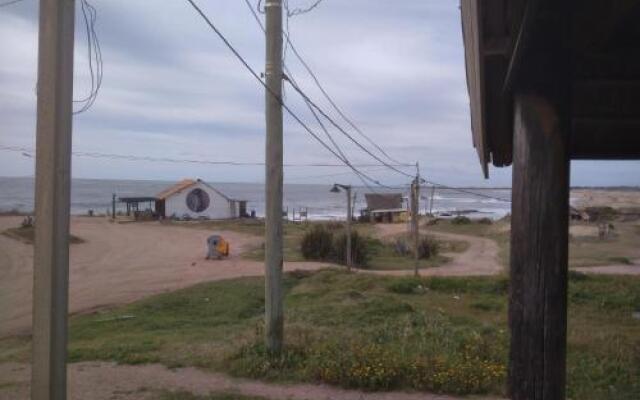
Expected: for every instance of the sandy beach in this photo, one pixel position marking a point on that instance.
(118, 264)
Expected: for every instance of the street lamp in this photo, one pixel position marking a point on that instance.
(347, 188)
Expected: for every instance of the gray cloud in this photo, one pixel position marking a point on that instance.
(171, 89)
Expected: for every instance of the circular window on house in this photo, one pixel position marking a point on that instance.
(198, 200)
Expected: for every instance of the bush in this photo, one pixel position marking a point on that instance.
(485, 221)
(401, 247)
(317, 243)
(360, 253)
(320, 243)
(461, 220)
(428, 247)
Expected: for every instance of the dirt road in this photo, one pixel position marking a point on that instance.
(108, 381)
(481, 258)
(118, 264)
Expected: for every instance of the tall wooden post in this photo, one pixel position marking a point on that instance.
(53, 186)
(415, 225)
(274, 318)
(540, 213)
(349, 218)
(113, 206)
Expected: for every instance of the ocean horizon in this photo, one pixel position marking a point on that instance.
(17, 194)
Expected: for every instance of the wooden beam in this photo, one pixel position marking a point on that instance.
(471, 12)
(605, 98)
(540, 208)
(53, 183)
(539, 251)
(605, 139)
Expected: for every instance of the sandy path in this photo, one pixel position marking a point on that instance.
(108, 381)
(481, 258)
(118, 264)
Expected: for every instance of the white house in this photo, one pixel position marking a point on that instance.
(197, 199)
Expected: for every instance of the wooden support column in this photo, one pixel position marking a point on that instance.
(540, 210)
(53, 183)
(539, 248)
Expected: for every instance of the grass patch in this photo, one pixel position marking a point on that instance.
(584, 251)
(445, 335)
(182, 395)
(27, 235)
(383, 255)
(621, 260)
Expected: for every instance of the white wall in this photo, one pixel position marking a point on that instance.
(219, 206)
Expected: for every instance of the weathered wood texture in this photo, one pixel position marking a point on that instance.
(52, 199)
(274, 313)
(472, 33)
(605, 42)
(540, 211)
(539, 247)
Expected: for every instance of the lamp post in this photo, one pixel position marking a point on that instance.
(347, 188)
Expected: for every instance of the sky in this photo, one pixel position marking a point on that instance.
(171, 89)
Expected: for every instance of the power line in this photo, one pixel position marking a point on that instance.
(316, 80)
(286, 107)
(465, 191)
(313, 112)
(8, 3)
(324, 92)
(324, 114)
(127, 157)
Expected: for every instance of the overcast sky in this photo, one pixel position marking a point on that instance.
(171, 89)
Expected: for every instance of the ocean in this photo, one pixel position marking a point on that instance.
(93, 194)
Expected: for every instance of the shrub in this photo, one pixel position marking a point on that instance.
(317, 243)
(485, 221)
(428, 247)
(461, 220)
(360, 252)
(320, 243)
(601, 213)
(401, 247)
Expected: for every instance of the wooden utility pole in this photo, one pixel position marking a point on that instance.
(347, 188)
(113, 207)
(349, 218)
(52, 199)
(415, 222)
(274, 316)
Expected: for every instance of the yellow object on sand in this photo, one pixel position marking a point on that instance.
(223, 247)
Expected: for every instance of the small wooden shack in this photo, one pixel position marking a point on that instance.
(384, 207)
(549, 82)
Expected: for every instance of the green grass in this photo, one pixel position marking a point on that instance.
(182, 395)
(383, 257)
(27, 234)
(584, 251)
(370, 332)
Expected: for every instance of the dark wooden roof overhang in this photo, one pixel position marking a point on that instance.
(605, 74)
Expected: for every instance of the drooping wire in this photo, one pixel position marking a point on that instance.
(278, 98)
(94, 52)
(344, 132)
(299, 11)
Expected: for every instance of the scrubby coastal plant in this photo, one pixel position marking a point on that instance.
(323, 244)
